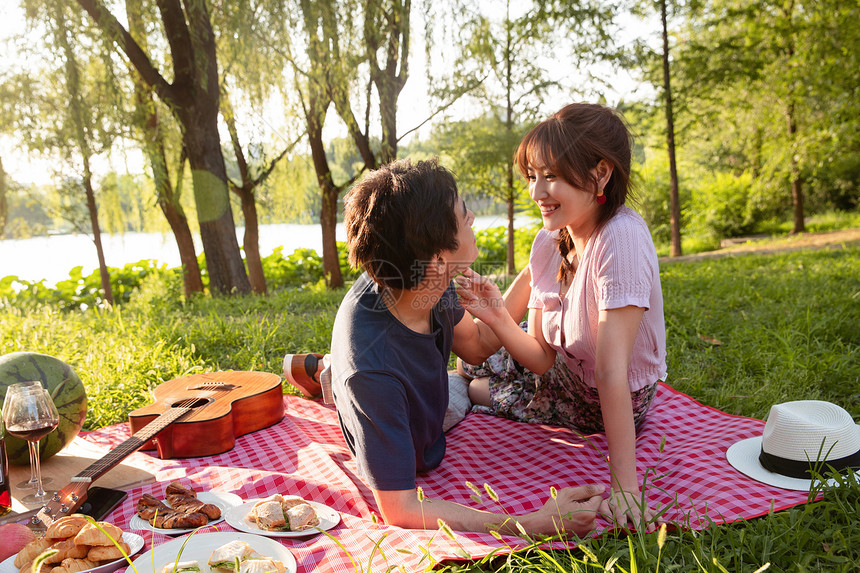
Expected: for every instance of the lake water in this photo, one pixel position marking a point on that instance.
(51, 258)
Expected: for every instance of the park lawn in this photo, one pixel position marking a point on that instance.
(744, 333)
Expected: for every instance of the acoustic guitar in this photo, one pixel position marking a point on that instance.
(198, 415)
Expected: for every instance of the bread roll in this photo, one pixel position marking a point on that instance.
(92, 535)
(32, 550)
(66, 527)
(107, 553)
(74, 566)
(66, 549)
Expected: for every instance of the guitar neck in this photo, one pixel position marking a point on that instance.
(71, 497)
(129, 446)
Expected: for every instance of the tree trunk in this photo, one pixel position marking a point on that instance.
(245, 191)
(251, 241)
(675, 201)
(315, 115)
(393, 20)
(147, 120)
(4, 205)
(217, 228)
(97, 235)
(509, 126)
(796, 178)
(193, 97)
(191, 280)
(512, 269)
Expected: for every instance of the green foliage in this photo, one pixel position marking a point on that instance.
(721, 206)
(492, 248)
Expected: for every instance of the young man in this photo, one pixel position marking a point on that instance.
(412, 233)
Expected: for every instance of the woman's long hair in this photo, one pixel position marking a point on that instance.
(570, 143)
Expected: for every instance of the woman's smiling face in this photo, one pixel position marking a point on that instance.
(561, 203)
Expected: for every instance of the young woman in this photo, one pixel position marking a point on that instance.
(596, 341)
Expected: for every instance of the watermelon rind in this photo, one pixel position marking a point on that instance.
(65, 388)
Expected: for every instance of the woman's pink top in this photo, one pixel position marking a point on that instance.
(618, 268)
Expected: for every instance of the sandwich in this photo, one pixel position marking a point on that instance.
(181, 567)
(269, 516)
(301, 517)
(228, 556)
(262, 566)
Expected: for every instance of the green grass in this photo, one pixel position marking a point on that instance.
(744, 333)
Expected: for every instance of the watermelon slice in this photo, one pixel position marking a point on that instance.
(65, 388)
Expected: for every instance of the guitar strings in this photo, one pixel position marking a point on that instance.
(97, 467)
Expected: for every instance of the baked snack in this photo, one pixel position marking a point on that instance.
(32, 550)
(66, 549)
(108, 552)
(301, 517)
(99, 533)
(66, 527)
(71, 565)
(182, 511)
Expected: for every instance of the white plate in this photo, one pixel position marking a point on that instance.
(134, 541)
(237, 517)
(199, 547)
(222, 499)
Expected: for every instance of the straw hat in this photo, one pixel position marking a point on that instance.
(798, 436)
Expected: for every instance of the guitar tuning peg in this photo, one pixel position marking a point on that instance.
(74, 497)
(64, 509)
(56, 497)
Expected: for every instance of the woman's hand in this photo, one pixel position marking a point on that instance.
(631, 507)
(480, 296)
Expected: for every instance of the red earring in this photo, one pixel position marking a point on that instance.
(601, 199)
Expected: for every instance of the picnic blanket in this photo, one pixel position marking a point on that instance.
(681, 448)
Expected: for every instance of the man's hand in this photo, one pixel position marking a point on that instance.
(574, 509)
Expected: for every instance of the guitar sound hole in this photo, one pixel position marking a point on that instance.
(198, 403)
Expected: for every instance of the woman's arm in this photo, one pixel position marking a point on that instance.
(616, 333)
(481, 297)
(573, 509)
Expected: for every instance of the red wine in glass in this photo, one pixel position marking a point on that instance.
(31, 431)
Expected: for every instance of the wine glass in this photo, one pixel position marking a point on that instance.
(30, 386)
(31, 415)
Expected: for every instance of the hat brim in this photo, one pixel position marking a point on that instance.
(743, 456)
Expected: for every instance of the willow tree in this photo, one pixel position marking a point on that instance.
(153, 136)
(193, 97)
(60, 111)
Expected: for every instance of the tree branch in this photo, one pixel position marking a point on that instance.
(138, 58)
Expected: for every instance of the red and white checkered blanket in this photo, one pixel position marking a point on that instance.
(305, 455)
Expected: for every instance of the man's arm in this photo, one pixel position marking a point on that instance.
(574, 509)
(474, 341)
